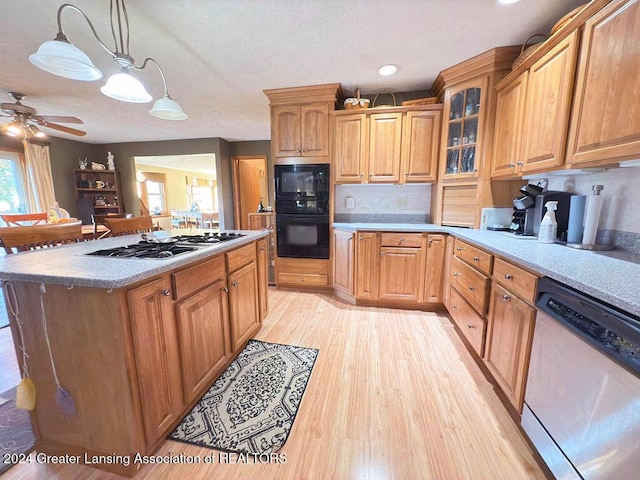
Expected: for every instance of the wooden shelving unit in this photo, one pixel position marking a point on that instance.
(97, 191)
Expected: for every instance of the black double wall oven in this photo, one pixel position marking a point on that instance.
(302, 210)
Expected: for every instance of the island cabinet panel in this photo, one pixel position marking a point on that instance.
(155, 345)
(605, 121)
(367, 265)
(243, 305)
(262, 263)
(203, 333)
(343, 259)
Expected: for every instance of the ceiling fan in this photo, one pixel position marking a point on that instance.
(26, 120)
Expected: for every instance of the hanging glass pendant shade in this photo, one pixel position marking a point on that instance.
(122, 86)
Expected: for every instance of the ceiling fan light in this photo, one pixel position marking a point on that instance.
(167, 109)
(122, 86)
(14, 129)
(35, 132)
(66, 60)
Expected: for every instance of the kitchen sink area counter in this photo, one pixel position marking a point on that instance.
(609, 279)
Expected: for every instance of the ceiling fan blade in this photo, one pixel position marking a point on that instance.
(54, 118)
(61, 128)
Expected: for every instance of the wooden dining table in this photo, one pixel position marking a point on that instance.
(88, 231)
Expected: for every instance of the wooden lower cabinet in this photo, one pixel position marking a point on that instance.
(244, 312)
(306, 273)
(471, 325)
(435, 248)
(400, 273)
(508, 345)
(343, 259)
(203, 338)
(155, 345)
(446, 282)
(367, 265)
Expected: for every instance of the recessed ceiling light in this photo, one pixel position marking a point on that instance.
(506, 2)
(387, 69)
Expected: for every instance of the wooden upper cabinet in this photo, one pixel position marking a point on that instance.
(547, 107)
(385, 141)
(350, 148)
(301, 130)
(605, 123)
(464, 112)
(421, 141)
(508, 128)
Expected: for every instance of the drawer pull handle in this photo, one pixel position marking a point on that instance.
(455, 307)
(459, 249)
(470, 326)
(511, 165)
(166, 292)
(455, 274)
(508, 276)
(401, 239)
(473, 289)
(235, 284)
(382, 254)
(226, 289)
(506, 297)
(476, 259)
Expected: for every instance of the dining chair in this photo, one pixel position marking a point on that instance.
(24, 219)
(99, 220)
(32, 237)
(129, 226)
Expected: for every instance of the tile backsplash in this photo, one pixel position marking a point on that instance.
(383, 203)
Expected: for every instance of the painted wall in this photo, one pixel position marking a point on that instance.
(620, 209)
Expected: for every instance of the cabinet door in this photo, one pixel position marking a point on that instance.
(203, 328)
(285, 122)
(367, 265)
(400, 270)
(547, 107)
(508, 128)
(509, 336)
(463, 125)
(343, 261)
(350, 148)
(314, 129)
(155, 344)
(385, 131)
(262, 260)
(446, 285)
(434, 268)
(421, 141)
(605, 120)
(244, 312)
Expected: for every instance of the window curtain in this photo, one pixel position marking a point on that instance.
(36, 166)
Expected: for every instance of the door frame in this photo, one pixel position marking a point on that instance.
(235, 174)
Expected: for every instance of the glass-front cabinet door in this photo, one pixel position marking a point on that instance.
(462, 136)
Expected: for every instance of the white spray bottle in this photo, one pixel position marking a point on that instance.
(549, 225)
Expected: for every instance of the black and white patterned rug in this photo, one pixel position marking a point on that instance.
(252, 406)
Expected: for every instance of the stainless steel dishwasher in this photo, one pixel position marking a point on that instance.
(582, 402)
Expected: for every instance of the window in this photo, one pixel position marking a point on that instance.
(12, 195)
(151, 190)
(201, 192)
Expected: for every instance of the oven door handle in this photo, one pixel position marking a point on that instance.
(310, 219)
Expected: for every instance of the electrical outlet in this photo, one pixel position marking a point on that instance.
(401, 202)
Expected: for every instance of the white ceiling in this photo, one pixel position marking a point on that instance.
(199, 163)
(218, 55)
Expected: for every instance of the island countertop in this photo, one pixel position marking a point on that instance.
(70, 265)
(602, 276)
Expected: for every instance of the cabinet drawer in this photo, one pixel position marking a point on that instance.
(312, 279)
(517, 280)
(194, 278)
(470, 283)
(240, 257)
(480, 259)
(471, 324)
(401, 240)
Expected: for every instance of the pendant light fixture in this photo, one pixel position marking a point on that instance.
(62, 58)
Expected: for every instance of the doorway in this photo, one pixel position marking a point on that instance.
(250, 186)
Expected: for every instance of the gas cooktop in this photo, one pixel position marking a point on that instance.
(166, 247)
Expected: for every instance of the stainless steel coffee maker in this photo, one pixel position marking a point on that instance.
(524, 209)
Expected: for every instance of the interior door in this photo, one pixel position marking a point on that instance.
(250, 185)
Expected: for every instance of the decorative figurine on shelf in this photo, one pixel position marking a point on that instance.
(260, 206)
(110, 164)
(83, 163)
(98, 166)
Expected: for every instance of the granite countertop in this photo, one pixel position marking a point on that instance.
(602, 276)
(69, 264)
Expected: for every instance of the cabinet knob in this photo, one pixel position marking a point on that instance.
(235, 284)
(455, 274)
(401, 239)
(382, 254)
(520, 164)
(459, 249)
(512, 165)
(506, 297)
(360, 237)
(361, 175)
(370, 175)
(470, 326)
(508, 276)
(226, 289)
(166, 292)
(455, 307)
(472, 289)
(430, 241)
(476, 259)
(262, 249)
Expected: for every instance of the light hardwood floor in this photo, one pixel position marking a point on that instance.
(394, 395)
(9, 374)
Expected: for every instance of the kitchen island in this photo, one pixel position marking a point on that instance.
(135, 342)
